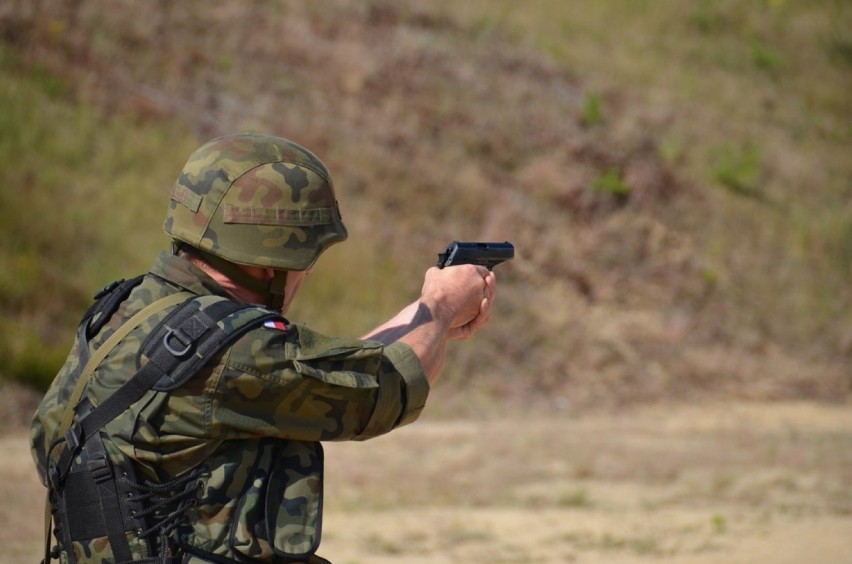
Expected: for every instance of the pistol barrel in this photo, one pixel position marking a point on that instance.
(484, 254)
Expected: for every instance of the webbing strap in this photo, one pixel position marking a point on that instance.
(199, 335)
(48, 534)
(108, 300)
(163, 362)
(110, 514)
(109, 344)
(88, 370)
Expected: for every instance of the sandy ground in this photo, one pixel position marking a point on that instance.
(733, 483)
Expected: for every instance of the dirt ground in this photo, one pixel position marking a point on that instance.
(724, 483)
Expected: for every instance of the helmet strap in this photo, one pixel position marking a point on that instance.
(276, 290)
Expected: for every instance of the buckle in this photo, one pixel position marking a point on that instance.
(99, 469)
(107, 289)
(181, 338)
(72, 439)
(53, 477)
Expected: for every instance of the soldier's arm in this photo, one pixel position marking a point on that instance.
(454, 303)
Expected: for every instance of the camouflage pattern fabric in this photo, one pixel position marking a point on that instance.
(252, 421)
(257, 200)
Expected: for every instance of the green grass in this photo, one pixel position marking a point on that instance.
(81, 204)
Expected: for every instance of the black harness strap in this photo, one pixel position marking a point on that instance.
(185, 341)
(108, 498)
(107, 301)
(99, 313)
(192, 334)
(200, 338)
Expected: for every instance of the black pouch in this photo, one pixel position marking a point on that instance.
(92, 504)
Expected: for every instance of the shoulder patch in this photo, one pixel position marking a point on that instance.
(275, 325)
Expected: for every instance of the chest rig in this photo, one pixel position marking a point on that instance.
(96, 501)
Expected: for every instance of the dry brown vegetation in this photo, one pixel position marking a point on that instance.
(437, 127)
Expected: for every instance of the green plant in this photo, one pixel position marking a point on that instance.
(575, 499)
(592, 110)
(610, 182)
(765, 57)
(706, 16)
(738, 170)
(839, 50)
(718, 523)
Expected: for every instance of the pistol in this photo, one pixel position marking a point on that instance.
(488, 255)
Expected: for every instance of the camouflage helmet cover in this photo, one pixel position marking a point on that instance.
(256, 200)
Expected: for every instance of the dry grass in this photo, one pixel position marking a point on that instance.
(646, 163)
(691, 484)
(734, 482)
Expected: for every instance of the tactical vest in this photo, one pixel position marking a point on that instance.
(101, 509)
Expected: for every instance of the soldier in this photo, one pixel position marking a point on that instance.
(186, 424)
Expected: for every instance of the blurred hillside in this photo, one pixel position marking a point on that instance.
(677, 182)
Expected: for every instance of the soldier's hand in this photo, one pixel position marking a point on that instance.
(468, 329)
(459, 296)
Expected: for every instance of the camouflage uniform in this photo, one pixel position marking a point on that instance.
(253, 420)
(249, 425)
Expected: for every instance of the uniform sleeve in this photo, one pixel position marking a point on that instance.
(301, 385)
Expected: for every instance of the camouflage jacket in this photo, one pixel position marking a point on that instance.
(252, 420)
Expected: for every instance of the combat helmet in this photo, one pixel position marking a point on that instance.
(255, 200)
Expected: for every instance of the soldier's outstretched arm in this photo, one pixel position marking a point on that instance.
(454, 304)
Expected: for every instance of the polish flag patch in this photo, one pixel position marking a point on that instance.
(275, 325)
